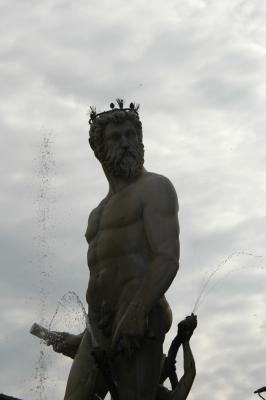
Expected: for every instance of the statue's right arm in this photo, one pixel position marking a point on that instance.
(65, 343)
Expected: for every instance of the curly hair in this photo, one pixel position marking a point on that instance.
(97, 127)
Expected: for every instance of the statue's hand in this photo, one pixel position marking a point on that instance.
(187, 327)
(130, 329)
(64, 343)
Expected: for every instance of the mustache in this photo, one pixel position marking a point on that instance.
(117, 156)
(124, 162)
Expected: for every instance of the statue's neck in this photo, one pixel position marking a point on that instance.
(116, 184)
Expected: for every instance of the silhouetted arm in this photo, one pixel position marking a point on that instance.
(183, 387)
(162, 232)
(66, 343)
(169, 369)
(161, 227)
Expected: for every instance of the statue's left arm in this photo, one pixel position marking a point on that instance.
(160, 208)
(162, 232)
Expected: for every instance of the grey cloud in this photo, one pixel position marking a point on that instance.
(198, 72)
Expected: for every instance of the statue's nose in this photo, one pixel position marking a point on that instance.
(124, 142)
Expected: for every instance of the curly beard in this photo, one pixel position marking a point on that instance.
(123, 163)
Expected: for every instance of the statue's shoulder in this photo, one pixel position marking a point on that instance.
(93, 220)
(158, 190)
(156, 183)
(95, 212)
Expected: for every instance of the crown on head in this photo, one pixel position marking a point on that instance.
(132, 108)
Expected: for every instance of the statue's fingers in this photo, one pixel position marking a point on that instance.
(194, 325)
(59, 347)
(56, 348)
(194, 319)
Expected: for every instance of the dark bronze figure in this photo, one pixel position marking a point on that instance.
(180, 389)
(133, 257)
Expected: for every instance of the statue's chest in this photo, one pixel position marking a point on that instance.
(121, 210)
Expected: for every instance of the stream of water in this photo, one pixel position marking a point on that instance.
(45, 170)
(206, 288)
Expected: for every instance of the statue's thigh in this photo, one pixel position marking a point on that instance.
(85, 379)
(138, 378)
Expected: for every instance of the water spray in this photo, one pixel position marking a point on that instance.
(205, 288)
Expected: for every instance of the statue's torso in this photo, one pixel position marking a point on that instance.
(118, 254)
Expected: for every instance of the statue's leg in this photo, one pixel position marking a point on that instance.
(138, 378)
(85, 380)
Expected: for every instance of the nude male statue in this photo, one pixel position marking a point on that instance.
(133, 257)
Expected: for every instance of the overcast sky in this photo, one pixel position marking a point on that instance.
(197, 68)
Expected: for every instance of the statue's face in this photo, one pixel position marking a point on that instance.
(123, 152)
(120, 136)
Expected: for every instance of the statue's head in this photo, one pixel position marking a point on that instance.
(116, 139)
